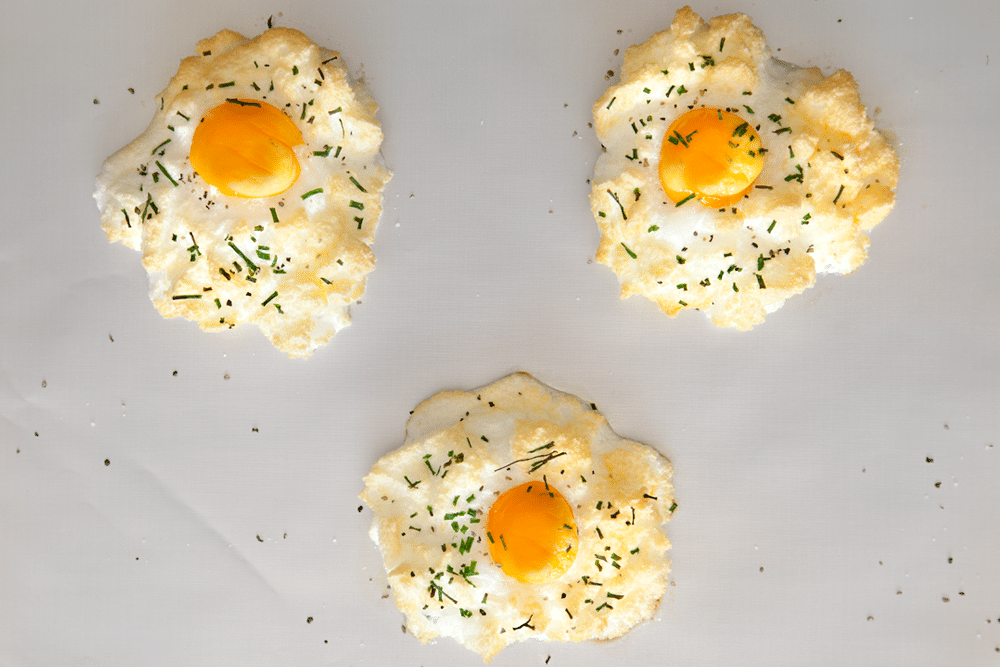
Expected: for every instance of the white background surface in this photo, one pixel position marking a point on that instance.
(811, 529)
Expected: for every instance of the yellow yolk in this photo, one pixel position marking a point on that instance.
(244, 148)
(710, 155)
(532, 533)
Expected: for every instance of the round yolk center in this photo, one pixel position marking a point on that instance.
(710, 155)
(532, 533)
(244, 148)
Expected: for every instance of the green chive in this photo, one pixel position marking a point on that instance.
(160, 146)
(839, 192)
(165, 173)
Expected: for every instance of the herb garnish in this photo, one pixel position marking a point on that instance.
(168, 141)
(166, 173)
(615, 197)
(839, 192)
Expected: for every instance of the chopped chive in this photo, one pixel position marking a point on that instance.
(360, 187)
(629, 251)
(790, 100)
(783, 129)
(268, 299)
(773, 223)
(615, 197)
(233, 100)
(274, 215)
(322, 153)
(653, 228)
(228, 84)
(685, 200)
(168, 141)
(837, 155)
(178, 297)
(358, 205)
(839, 192)
(611, 102)
(680, 260)
(252, 267)
(672, 508)
(722, 42)
(312, 192)
(167, 174)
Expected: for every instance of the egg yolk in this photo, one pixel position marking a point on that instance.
(532, 533)
(710, 155)
(244, 148)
